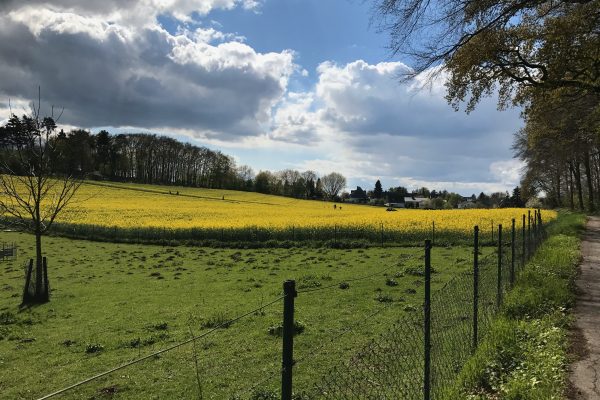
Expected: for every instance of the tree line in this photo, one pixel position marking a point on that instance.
(443, 199)
(155, 159)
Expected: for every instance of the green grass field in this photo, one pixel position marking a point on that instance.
(112, 303)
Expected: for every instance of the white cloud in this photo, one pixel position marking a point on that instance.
(368, 125)
(507, 171)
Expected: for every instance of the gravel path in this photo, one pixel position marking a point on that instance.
(585, 372)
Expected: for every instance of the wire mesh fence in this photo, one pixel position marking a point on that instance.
(421, 356)
(419, 342)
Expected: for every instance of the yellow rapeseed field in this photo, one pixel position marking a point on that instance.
(147, 206)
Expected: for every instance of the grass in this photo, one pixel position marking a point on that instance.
(112, 303)
(525, 354)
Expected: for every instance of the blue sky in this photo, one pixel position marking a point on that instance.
(277, 84)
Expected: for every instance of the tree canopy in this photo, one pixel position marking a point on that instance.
(484, 45)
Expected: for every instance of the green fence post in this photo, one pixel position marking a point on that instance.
(427, 323)
(528, 234)
(499, 294)
(512, 254)
(523, 240)
(475, 286)
(289, 290)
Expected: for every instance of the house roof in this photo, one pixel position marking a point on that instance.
(359, 193)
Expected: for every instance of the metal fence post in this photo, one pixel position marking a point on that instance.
(289, 290)
(499, 294)
(523, 240)
(512, 253)
(427, 323)
(528, 234)
(535, 238)
(475, 286)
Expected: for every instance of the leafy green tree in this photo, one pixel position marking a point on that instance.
(262, 182)
(483, 200)
(509, 45)
(396, 194)
(319, 189)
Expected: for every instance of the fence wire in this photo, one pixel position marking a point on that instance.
(388, 367)
(451, 329)
(392, 365)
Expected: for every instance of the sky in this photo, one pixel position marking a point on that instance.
(277, 84)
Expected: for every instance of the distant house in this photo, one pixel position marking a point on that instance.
(358, 196)
(467, 202)
(415, 202)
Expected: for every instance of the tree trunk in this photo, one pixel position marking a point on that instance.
(596, 161)
(577, 173)
(570, 184)
(588, 173)
(558, 194)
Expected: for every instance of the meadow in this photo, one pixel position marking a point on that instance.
(147, 213)
(112, 303)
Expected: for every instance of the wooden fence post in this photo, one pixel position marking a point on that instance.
(46, 289)
(28, 273)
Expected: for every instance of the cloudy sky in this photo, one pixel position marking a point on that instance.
(303, 84)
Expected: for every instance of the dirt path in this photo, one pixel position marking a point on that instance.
(585, 372)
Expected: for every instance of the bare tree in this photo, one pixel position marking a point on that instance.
(333, 184)
(33, 195)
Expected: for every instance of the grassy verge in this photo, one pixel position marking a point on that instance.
(524, 356)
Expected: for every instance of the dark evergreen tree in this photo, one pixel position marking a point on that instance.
(515, 199)
(378, 192)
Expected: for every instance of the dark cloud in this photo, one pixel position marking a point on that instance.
(131, 78)
(367, 99)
